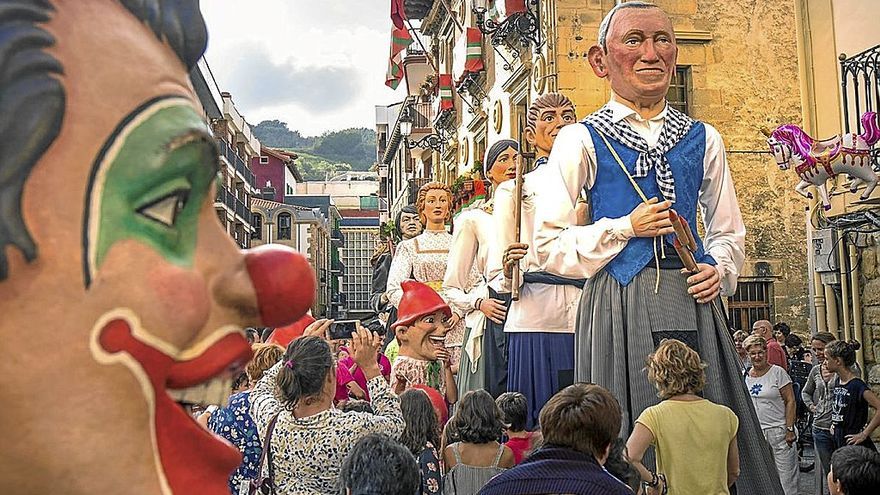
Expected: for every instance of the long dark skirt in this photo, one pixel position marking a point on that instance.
(491, 372)
(619, 326)
(536, 363)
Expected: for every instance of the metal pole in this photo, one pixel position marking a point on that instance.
(857, 304)
(840, 245)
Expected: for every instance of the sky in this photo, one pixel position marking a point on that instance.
(318, 65)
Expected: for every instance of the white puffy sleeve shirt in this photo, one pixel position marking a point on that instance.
(582, 251)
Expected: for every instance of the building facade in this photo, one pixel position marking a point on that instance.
(737, 69)
(839, 61)
(237, 146)
(275, 170)
(305, 230)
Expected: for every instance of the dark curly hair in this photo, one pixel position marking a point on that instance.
(618, 465)
(421, 421)
(477, 419)
(514, 408)
(311, 361)
(379, 465)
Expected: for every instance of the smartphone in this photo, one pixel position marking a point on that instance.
(342, 329)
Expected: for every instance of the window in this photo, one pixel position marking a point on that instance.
(678, 95)
(750, 304)
(284, 226)
(257, 223)
(264, 160)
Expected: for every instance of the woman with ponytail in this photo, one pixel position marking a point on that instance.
(850, 398)
(311, 438)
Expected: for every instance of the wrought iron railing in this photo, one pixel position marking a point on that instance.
(860, 86)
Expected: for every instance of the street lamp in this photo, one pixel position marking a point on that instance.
(432, 141)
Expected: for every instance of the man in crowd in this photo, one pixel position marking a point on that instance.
(775, 353)
(638, 157)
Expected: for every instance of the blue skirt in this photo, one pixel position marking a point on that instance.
(538, 365)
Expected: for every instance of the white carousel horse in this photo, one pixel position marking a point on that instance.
(816, 161)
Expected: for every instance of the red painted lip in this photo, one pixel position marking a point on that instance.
(229, 354)
(192, 459)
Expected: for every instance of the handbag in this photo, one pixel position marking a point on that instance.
(265, 485)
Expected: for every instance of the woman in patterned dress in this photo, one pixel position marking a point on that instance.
(424, 258)
(311, 438)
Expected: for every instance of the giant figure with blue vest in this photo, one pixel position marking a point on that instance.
(639, 159)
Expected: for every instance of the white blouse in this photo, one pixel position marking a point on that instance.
(582, 251)
(541, 307)
(466, 273)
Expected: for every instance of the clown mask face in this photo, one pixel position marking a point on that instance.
(424, 338)
(135, 297)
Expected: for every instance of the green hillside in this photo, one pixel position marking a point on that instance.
(321, 156)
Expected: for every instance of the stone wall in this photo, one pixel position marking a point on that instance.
(744, 74)
(870, 294)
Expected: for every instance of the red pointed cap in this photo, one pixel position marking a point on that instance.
(418, 300)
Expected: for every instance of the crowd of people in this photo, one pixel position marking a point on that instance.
(504, 364)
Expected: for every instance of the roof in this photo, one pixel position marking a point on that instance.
(358, 213)
(268, 205)
(286, 157)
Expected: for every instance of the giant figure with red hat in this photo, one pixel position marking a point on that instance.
(421, 329)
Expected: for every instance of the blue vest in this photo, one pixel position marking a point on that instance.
(613, 196)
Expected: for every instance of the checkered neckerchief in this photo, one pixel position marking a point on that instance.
(675, 126)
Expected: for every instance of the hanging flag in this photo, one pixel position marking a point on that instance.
(400, 39)
(397, 13)
(445, 83)
(514, 6)
(474, 59)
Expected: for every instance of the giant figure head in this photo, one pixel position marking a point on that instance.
(636, 51)
(547, 115)
(434, 203)
(118, 287)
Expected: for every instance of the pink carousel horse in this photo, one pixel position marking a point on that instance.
(816, 161)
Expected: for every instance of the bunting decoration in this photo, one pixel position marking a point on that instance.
(445, 84)
(474, 59)
(400, 39)
(397, 13)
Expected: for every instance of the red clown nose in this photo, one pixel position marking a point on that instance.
(284, 283)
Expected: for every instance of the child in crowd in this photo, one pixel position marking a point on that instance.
(421, 330)
(850, 398)
(619, 466)
(514, 413)
(854, 471)
(421, 436)
(475, 456)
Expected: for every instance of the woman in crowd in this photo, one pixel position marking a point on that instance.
(817, 397)
(773, 397)
(311, 438)
(421, 436)
(347, 362)
(514, 413)
(850, 398)
(738, 337)
(694, 438)
(234, 422)
(475, 456)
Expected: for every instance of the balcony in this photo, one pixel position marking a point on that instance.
(337, 238)
(337, 267)
(412, 188)
(237, 163)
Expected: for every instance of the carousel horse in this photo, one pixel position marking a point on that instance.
(816, 161)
